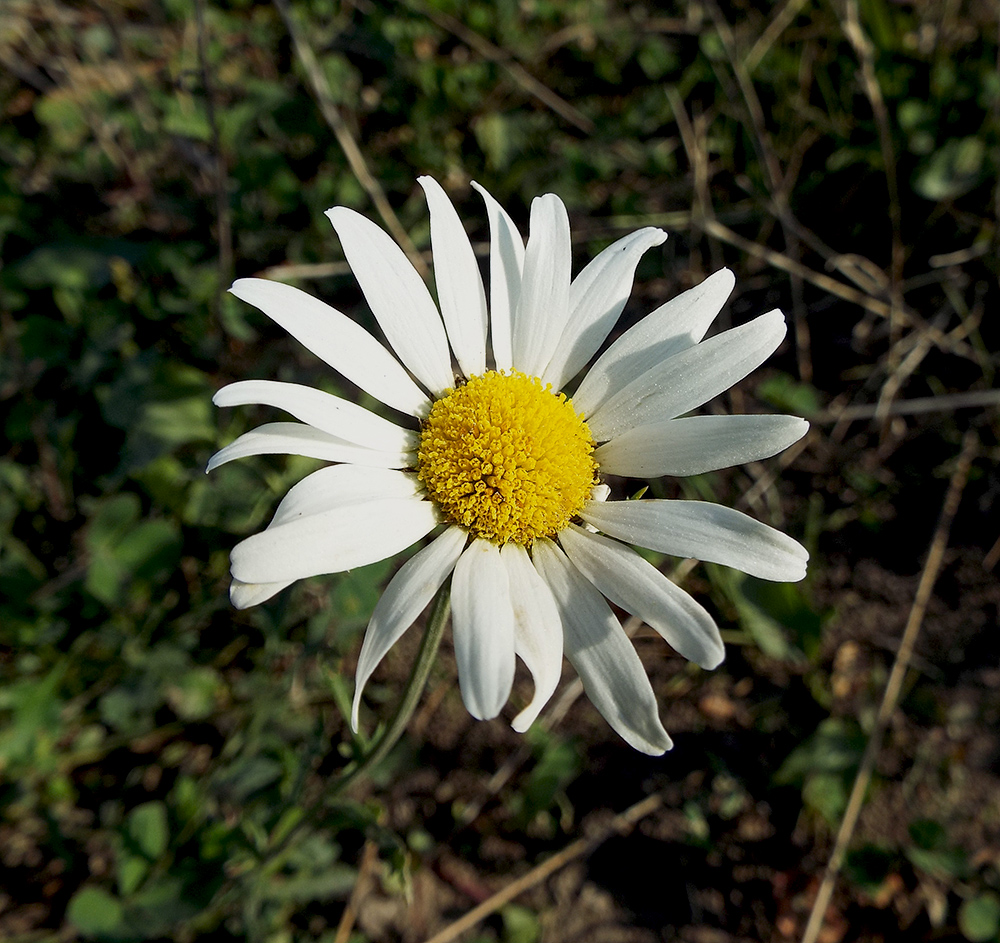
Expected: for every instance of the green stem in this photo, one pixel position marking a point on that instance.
(411, 695)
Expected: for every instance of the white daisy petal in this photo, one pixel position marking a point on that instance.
(296, 438)
(245, 595)
(331, 414)
(459, 283)
(704, 531)
(633, 583)
(538, 635)
(671, 328)
(408, 592)
(337, 340)
(398, 297)
(697, 444)
(691, 378)
(338, 485)
(333, 541)
(543, 305)
(597, 297)
(483, 627)
(597, 647)
(506, 263)
(480, 464)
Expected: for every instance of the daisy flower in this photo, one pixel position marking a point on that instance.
(506, 468)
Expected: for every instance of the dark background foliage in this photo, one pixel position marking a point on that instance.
(165, 761)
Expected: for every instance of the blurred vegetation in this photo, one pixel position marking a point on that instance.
(164, 759)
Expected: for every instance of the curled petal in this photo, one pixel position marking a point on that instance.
(638, 587)
(296, 438)
(597, 647)
(398, 297)
(704, 531)
(459, 285)
(483, 627)
(538, 633)
(408, 592)
(690, 378)
(671, 328)
(335, 338)
(333, 541)
(506, 263)
(597, 297)
(245, 595)
(335, 416)
(697, 444)
(543, 305)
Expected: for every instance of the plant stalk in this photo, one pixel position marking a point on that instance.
(411, 695)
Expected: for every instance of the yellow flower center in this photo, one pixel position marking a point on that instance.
(507, 458)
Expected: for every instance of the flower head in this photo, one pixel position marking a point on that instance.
(504, 465)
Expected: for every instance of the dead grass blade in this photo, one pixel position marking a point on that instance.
(621, 824)
(515, 70)
(894, 686)
(331, 114)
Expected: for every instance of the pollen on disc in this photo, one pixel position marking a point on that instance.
(507, 458)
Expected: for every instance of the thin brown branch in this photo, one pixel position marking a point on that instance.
(779, 184)
(873, 92)
(220, 179)
(946, 403)
(779, 22)
(620, 825)
(894, 686)
(355, 159)
(514, 69)
(368, 859)
(826, 283)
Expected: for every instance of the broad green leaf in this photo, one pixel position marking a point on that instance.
(979, 917)
(955, 168)
(96, 914)
(520, 925)
(147, 828)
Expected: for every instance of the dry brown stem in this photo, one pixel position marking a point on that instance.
(893, 688)
(620, 825)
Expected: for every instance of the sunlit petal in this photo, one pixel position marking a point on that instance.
(483, 625)
(597, 647)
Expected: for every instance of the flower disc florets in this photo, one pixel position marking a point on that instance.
(507, 458)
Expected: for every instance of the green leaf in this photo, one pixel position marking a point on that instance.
(159, 908)
(36, 708)
(520, 925)
(492, 133)
(780, 617)
(354, 596)
(979, 917)
(835, 747)
(952, 170)
(826, 793)
(869, 866)
(927, 834)
(95, 913)
(781, 390)
(132, 870)
(944, 862)
(147, 828)
(335, 882)
(194, 695)
(123, 549)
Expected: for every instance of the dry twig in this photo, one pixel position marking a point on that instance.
(515, 70)
(331, 114)
(932, 566)
(620, 825)
(220, 178)
(947, 402)
(368, 859)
